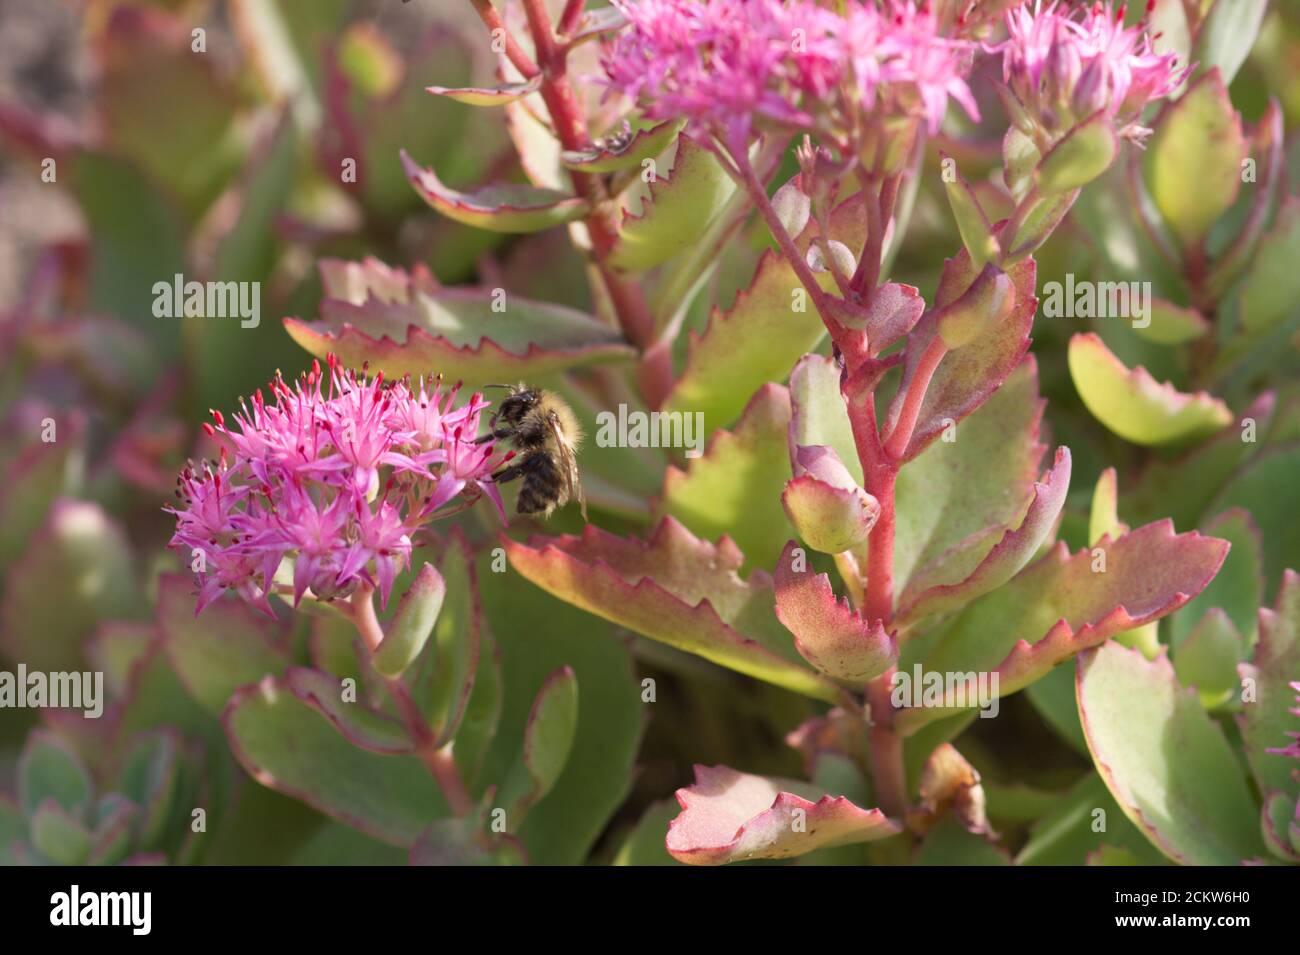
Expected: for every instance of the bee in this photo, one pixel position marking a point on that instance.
(544, 429)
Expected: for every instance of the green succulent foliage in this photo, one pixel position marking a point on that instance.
(149, 805)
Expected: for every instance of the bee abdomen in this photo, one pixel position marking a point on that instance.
(541, 488)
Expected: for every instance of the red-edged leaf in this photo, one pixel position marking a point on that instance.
(403, 324)
(613, 154)
(827, 632)
(359, 724)
(504, 207)
(1134, 405)
(927, 595)
(966, 377)
(827, 508)
(488, 95)
(1267, 720)
(729, 816)
(1060, 605)
(674, 588)
(1164, 759)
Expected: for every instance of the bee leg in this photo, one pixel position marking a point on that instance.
(508, 474)
(496, 435)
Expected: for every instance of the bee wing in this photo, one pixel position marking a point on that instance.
(569, 466)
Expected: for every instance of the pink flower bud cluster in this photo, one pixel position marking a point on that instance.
(335, 474)
(731, 65)
(1064, 65)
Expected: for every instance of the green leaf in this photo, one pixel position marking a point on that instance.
(975, 483)
(225, 647)
(1133, 405)
(766, 329)
(483, 712)
(1081, 822)
(735, 487)
(232, 359)
(504, 207)
(976, 231)
(1264, 487)
(1208, 656)
(289, 747)
(979, 311)
(1167, 764)
(49, 769)
(548, 740)
(949, 844)
(82, 549)
(538, 634)
(36, 474)
(411, 624)
(137, 241)
(149, 67)
(676, 589)
(336, 845)
(1192, 165)
(1266, 718)
(359, 724)
(674, 211)
(1226, 35)
(454, 842)
(979, 571)
(1272, 284)
(1065, 603)
(1172, 324)
(442, 679)
(404, 324)
(1183, 487)
(1238, 588)
(151, 776)
(1084, 153)
(645, 844)
(1052, 695)
(58, 836)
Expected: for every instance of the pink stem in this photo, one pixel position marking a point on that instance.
(749, 181)
(571, 16)
(896, 441)
(440, 763)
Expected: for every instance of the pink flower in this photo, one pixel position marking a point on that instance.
(732, 65)
(1294, 748)
(1064, 66)
(299, 481)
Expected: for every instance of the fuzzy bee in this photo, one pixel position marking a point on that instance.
(545, 432)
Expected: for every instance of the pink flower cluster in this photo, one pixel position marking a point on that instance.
(730, 64)
(1063, 66)
(336, 474)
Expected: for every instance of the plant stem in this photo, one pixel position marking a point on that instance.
(655, 374)
(749, 181)
(439, 761)
(896, 441)
(571, 16)
(492, 20)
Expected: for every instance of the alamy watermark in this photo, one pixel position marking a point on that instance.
(935, 688)
(652, 429)
(35, 689)
(181, 299)
(1130, 300)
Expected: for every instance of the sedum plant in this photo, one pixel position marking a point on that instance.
(785, 261)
